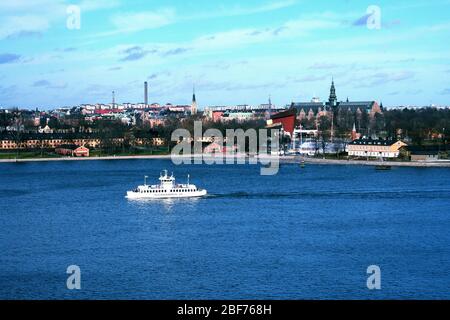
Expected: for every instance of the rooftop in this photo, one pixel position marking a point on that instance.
(375, 142)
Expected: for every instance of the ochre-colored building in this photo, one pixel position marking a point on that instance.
(378, 148)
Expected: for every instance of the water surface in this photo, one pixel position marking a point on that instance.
(303, 234)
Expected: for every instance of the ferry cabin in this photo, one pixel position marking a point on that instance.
(174, 191)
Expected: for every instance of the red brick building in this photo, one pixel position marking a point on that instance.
(72, 150)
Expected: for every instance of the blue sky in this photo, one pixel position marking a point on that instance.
(235, 52)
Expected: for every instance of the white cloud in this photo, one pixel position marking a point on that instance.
(36, 16)
(129, 22)
(28, 16)
(266, 7)
(16, 25)
(249, 36)
(92, 5)
(20, 6)
(138, 21)
(439, 27)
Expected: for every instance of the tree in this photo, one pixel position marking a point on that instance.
(324, 124)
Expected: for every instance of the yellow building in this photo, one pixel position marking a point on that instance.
(375, 148)
(49, 141)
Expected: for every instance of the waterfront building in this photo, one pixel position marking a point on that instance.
(154, 141)
(213, 148)
(27, 141)
(424, 153)
(53, 143)
(72, 150)
(375, 148)
(218, 147)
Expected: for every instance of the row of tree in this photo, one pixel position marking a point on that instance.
(420, 125)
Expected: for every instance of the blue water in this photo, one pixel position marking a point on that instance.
(302, 234)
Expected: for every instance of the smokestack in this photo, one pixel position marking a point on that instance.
(113, 99)
(146, 93)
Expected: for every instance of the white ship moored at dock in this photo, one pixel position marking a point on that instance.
(166, 189)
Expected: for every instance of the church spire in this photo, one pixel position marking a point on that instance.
(194, 102)
(333, 97)
(354, 133)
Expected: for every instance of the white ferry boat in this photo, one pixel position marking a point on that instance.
(165, 189)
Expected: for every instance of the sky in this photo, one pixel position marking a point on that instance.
(233, 52)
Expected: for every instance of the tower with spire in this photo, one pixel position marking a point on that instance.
(354, 133)
(194, 103)
(333, 99)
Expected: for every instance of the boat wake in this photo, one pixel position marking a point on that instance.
(432, 194)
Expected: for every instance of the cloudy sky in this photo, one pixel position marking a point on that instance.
(235, 52)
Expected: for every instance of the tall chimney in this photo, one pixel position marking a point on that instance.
(146, 93)
(113, 100)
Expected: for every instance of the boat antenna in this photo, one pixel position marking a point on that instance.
(188, 179)
(145, 180)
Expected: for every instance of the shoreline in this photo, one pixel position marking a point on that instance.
(283, 159)
(419, 164)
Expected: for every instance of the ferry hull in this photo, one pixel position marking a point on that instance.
(136, 195)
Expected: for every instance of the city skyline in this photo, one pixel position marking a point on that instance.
(233, 53)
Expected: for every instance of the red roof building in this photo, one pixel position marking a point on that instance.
(72, 151)
(286, 119)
